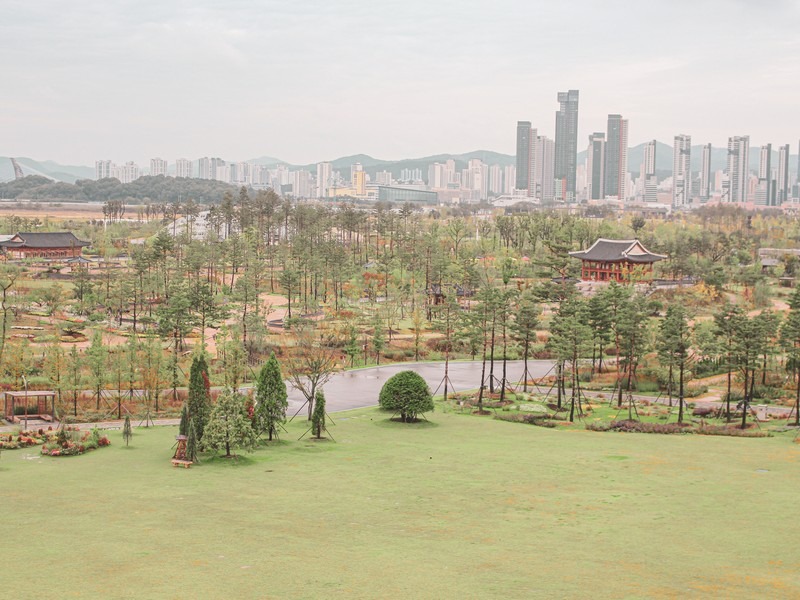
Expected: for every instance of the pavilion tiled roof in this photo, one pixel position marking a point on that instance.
(604, 250)
(56, 239)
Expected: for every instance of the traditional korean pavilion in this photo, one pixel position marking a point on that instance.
(53, 245)
(616, 260)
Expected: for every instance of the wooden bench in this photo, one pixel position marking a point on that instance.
(176, 462)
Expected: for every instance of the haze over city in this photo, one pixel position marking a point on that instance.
(309, 81)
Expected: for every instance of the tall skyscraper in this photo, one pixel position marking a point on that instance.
(738, 170)
(324, 173)
(158, 166)
(184, 168)
(523, 154)
(765, 190)
(544, 168)
(616, 171)
(682, 170)
(649, 162)
(705, 174)
(595, 166)
(566, 145)
(782, 190)
(102, 169)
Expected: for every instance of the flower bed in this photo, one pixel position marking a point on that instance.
(23, 439)
(68, 443)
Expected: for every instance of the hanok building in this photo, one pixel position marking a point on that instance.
(50, 245)
(617, 260)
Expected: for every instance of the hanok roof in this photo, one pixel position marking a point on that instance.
(57, 239)
(604, 250)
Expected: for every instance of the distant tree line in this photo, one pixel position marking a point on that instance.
(157, 188)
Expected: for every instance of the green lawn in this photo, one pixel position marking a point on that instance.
(462, 507)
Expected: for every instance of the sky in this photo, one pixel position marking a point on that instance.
(313, 80)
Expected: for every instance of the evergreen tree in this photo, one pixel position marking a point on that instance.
(725, 327)
(318, 416)
(570, 338)
(673, 347)
(228, 426)
(97, 355)
(184, 424)
(407, 393)
(271, 399)
(523, 329)
(198, 400)
(127, 433)
(790, 340)
(191, 442)
(378, 337)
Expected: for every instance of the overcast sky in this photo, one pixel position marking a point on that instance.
(311, 80)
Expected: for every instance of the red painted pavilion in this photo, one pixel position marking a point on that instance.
(616, 260)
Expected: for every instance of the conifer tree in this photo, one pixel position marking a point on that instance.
(790, 340)
(228, 426)
(271, 399)
(191, 442)
(318, 416)
(198, 401)
(184, 424)
(127, 433)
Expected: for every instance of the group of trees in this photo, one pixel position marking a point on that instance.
(483, 284)
(231, 422)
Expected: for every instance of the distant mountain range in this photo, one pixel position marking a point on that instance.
(71, 173)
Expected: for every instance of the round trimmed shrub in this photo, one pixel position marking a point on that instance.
(406, 393)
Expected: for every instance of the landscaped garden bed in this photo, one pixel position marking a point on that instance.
(70, 442)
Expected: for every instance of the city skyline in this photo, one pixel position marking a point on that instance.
(310, 81)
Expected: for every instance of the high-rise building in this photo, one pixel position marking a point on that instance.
(616, 171)
(158, 166)
(682, 170)
(184, 168)
(324, 173)
(125, 173)
(523, 154)
(782, 190)
(102, 169)
(544, 171)
(649, 162)
(705, 174)
(647, 175)
(495, 180)
(509, 179)
(595, 166)
(765, 189)
(218, 170)
(738, 170)
(566, 144)
(204, 168)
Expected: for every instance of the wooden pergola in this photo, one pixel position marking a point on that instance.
(34, 403)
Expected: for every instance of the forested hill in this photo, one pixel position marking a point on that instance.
(158, 188)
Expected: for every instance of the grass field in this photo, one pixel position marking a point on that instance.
(462, 507)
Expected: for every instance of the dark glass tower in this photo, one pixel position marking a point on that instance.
(523, 154)
(566, 148)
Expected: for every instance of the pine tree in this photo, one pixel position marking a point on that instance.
(191, 442)
(198, 400)
(184, 424)
(673, 347)
(127, 433)
(790, 340)
(318, 417)
(271, 399)
(228, 426)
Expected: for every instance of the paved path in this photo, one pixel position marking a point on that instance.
(359, 388)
